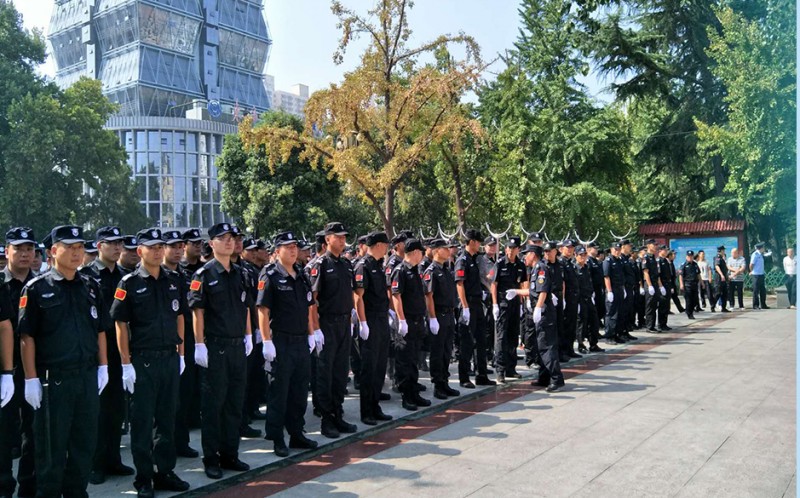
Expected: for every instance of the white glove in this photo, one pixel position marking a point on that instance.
(496, 311)
(610, 297)
(319, 340)
(268, 350)
(403, 328)
(593, 298)
(248, 344)
(537, 315)
(434, 323)
(102, 378)
(311, 344)
(563, 304)
(663, 290)
(554, 299)
(651, 290)
(183, 364)
(624, 294)
(363, 332)
(128, 377)
(6, 389)
(465, 315)
(511, 294)
(641, 291)
(33, 392)
(201, 355)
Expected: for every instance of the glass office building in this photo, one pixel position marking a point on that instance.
(163, 62)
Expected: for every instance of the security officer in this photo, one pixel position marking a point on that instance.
(508, 273)
(7, 389)
(566, 349)
(128, 257)
(627, 310)
(105, 270)
(148, 311)
(332, 285)
(721, 279)
(673, 278)
(62, 327)
(372, 305)
(470, 289)
(598, 284)
(17, 416)
(486, 262)
(191, 257)
(3, 259)
(222, 333)
(284, 300)
(588, 325)
(544, 312)
(256, 386)
(640, 301)
(408, 297)
(614, 276)
(320, 248)
(664, 276)
(89, 252)
(652, 281)
(557, 294)
(689, 274)
(441, 299)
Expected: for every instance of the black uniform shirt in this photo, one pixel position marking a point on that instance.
(507, 275)
(223, 296)
(468, 271)
(107, 278)
(570, 272)
(723, 267)
(612, 268)
(690, 271)
(663, 271)
(651, 265)
(438, 280)
(64, 317)
(369, 276)
(6, 309)
(407, 283)
(585, 286)
(424, 264)
(596, 271)
(541, 280)
(288, 299)
(151, 307)
(628, 271)
(391, 264)
(332, 280)
(557, 274)
(14, 288)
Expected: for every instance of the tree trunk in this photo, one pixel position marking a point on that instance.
(388, 211)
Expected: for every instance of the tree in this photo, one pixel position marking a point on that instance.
(375, 128)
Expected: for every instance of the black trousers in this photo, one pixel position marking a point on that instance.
(374, 358)
(16, 419)
(113, 404)
(222, 386)
(507, 336)
(355, 356)
(547, 343)
(333, 364)
(442, 348)
(599, 299)
(287, 395)
(65, 430)
(627, 312)
(691, 294)
(588, 324)
(759, 291)
(490, 328)
(721, 293)
(651, 307)
(473, 339)
(559, 322)
(529, 338)
(791, 290)
(189, 384)
(154, 403)
(570, 330)
(712, 295)
(639, 304)
(663, 307)
(406, 370)
(704, 292)
(673, 291)
(736, 289)
(256, 382)
(613, 327)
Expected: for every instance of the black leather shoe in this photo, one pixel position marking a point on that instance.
(301, 442)
(620, 340)
(439, 393)
(450, 391)
(573, 354)
(765, 307)
(385, 397)
(97, 477)
(409, 405)
(484, 381)
(257, 415)
(563, 358)
(280, 448)
(187, 452)
(467, 385)
(652, 330)
(513, 375)
(666, 328)
(583, 350)
(420, 401)
(553, 387)
(169, 481)
(726, 310)
(145, 491)
(120, 469)
(249, 432)
(540, 382)
(329, 429)
(597, 349)
(420, 388)
(382, 417)
(631, 338)
(233, 464)
(368, 421)
(690, 317)
(213, 472)
(344, 427)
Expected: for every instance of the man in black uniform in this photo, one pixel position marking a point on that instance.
(627, 310)
(470, 293)
(664, 276)
(544, 313)
(107, 272)
(486, 262)
(598, 284)
(441, 299)
(652, 282)
(588, 325)
(569, 306)
(372, 305)
(720, 269)
(17, 416)
(507, 274)
(284, 300)
(408, 297)
(62, 325)
(640, 301)
(614, 276)
(689, 275)
(128, 257)
(148, 310)
(332, 285)
(673, 282)
(218, 297)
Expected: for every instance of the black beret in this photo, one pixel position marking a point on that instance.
(413, 245)
(373, 238)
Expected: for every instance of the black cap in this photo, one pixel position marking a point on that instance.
(535, 236)
(567, 243)
(236, 231)
(592, 244)
(650, 241)
(437, 243)
(108, 234)
(537, 250)
(663, 247)
(760, 245)
(580, 250)
(129, 242)
(285, 238)
(549, 246)
(721, 248)
(149, 237)
(490, 240)
(616, 244)
(172, 237)
(376, 238)
(260, 244)
(413, 245)
(2, 252)
(398, 238)
(690, 253)
(361, 240)
(473, 234)
(220, 229)
(514, 241)
(67, 234)
(335, 228)
(47, 241)
(249, 244)
(319, 237)
(90, 247)
(624, 242)
(20, 235)
(453, 243)
(192, 235)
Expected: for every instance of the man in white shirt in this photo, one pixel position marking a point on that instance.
(790, 269)
(736, 268)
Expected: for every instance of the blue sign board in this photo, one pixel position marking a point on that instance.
(708, 244)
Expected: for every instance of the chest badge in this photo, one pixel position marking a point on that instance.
(175, 305)
(93, 312)
(244, 295)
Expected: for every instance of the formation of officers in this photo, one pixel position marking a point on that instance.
(163, 332)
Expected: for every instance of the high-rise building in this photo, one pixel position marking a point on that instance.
(182, 71)
(293, 101)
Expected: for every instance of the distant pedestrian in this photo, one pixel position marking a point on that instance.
(790, 269)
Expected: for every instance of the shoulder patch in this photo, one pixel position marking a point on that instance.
(23, 302)
(261, 284)
(359, 277)
(314, 271)
(459, 273)
(120, 294)
(195, 285)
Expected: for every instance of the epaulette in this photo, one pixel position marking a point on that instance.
(127, 276)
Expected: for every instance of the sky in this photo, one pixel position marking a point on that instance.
(304, 34)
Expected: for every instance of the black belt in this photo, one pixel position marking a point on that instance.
(334, 316)
(283, 336)
(64, 371)
(443, 310)
(227, 341)
(415, 318)
(154, 353)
